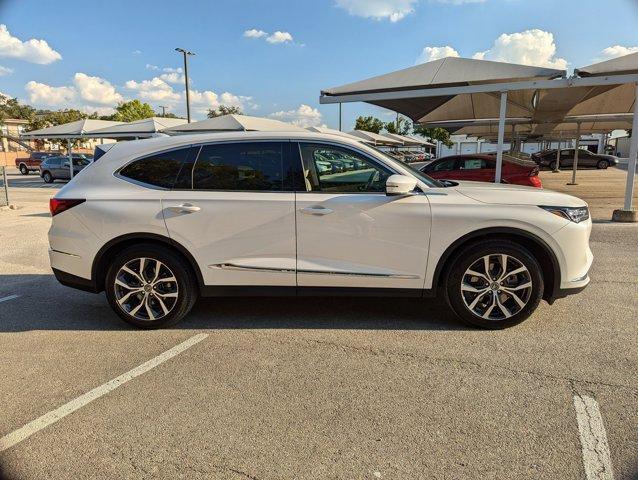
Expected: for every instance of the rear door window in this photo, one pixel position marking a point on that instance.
(471, 164)
(245, 166)
(159, 170)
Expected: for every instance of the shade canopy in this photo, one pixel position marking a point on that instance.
(77, 129)
(233, 122)
(408, 141)
(624, 65)
(448, 72)
(145, 128)
(374, 138)
(332, 131)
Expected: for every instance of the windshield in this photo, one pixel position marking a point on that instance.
(429, 181)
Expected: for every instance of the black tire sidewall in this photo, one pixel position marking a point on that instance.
(24, 170)
(47, 177)
(602, 164)
(186, 282)
(471, 254)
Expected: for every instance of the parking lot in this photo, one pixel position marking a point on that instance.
(273, 388)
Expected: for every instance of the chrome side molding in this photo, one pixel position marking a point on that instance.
(233, 266)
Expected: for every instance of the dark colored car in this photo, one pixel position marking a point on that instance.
(57, 168)
(32, 163)
(586, 159)
(482, 168)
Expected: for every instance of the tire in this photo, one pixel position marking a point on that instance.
(501, 308)
(552, 165)
(178, 297)
(47, 177)
(23, 169)
(602, 164)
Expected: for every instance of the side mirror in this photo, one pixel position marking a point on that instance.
(400, 185)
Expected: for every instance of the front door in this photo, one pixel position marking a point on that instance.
(233, 208)
(349, 232)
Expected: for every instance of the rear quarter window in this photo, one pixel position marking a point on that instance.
(158, 170)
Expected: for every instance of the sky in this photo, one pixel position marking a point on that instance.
(272, 58)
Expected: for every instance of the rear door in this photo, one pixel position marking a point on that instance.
(474, 169)
(233, 209)
(349, 232)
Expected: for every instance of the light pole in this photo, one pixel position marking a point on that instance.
(186, 53)
(163, 107)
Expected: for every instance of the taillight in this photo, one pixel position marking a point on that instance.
(536, 181)
(59, 205)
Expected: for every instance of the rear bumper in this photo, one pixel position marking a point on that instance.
(73, 281)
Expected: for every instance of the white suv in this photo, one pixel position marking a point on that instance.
(156, 223)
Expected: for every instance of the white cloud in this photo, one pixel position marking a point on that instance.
(33, 50)
(136, 52)
(304, 116)
(279, 37)
(96, 90)
(43, 94)
(435, 53)
(531, 47)
(153, 90)
(5, 71)
(172, 77)
(393, 10)
(616, 51)
(276, 37)
(89, 109)
(151, 67)
(254, 33)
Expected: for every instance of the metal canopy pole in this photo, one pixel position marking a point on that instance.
(633, 151)
(557, 166)
(68, 143)
(576, 148)
(501, 135)
(340, 117)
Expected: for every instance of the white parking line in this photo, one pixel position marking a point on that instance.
(593, 439)
(53, 416)
(10, 297)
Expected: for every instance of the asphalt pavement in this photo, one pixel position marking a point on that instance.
(265, 388)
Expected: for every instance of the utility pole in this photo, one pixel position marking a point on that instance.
(163, 107)
(186, 53)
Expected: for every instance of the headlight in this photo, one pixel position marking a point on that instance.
(575, 214)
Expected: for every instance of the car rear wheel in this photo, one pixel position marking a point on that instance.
(494, 284)
(47, 177)
(552, 165)
(602, 164)
(149, 286)
(24, 170)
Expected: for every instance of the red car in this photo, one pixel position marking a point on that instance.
(482, 168)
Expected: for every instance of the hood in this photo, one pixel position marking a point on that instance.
(505, 194)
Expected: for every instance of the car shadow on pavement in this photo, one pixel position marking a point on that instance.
(44, 304)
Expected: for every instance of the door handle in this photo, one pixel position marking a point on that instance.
(184, 208)
(317, 210)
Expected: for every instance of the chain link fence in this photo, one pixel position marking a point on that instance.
(4, 188)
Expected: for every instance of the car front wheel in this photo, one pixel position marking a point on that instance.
(24, 170)
(47, 177)
(602, 164)
(149, 286)
(494, 284)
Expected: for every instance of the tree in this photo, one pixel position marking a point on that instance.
(11, 108)
(404, 127)
(131, 111)
(440, 134)
(368, 124)
(224, 110)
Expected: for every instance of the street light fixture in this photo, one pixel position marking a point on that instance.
(186, 53)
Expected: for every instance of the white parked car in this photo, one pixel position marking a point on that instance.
(156, 223)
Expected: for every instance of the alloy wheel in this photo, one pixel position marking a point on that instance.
(146, 289)
(496, 287)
